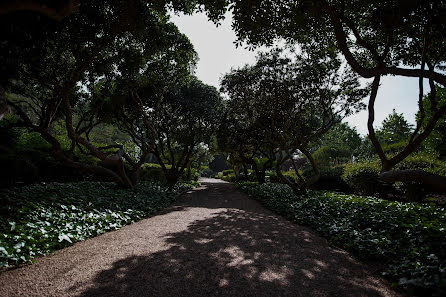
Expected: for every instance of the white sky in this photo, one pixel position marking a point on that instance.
(218, 54)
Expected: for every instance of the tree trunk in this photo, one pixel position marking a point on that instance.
(189, 171)
(260, 175)
(172, 176)
(293, 185)
(245, 170)
(236, 170)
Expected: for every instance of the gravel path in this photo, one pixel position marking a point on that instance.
(213, 242)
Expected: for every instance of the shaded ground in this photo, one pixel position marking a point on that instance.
(213, 242)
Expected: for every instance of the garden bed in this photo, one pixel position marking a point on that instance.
(40, 218)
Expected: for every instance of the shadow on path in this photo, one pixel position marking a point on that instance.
(241, 249)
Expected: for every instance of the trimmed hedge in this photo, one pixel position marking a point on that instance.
(205, 171)
(154, 173)
(363, 177)
(227, 172)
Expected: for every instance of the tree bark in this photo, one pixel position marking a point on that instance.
(245, 170)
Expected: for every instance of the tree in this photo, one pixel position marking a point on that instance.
(339, 143)
(394, 129)
(186, 123)
(73, 68)
(288, 103)
(245, 145)
(376, 38)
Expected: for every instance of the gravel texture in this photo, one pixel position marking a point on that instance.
(214, 241)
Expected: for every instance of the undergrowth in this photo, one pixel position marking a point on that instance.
(40, 218)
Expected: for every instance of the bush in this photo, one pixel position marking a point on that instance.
(29, 141)
(241, 178)
(152, 172)
(273, 178)
(425, 162)
(194, 175)
(394, 148)
(227, 172)
(409, 239)
(205, 171)
(363, 177)
(331, 179)
(429, 163)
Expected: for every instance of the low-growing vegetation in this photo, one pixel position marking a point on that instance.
(409, 239)
(40, 218)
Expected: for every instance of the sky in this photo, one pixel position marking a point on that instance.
(218, 54)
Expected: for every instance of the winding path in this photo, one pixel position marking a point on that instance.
(214, 241)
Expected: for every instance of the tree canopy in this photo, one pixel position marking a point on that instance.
(376, 38)
(281, 104)
(79, 69)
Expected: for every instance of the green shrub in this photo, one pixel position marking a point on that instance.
(273, 178)
(416, 191)
(206, 172)
(29, 141)
(28, 157)
(230, 177)
(323, 155)
(363, 177)
(190, 183)
(241, 178)
(227, 172)
(425, 162)
(290, 174)
(409, 239)
(331, 179)
(152, 172)
(194, 175)
(394, 148)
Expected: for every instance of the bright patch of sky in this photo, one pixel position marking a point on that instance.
(218, 54)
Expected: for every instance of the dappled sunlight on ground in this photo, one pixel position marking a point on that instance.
(213, 242)
(239, 250)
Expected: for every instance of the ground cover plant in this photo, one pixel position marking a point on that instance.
(409, 239)
(40, 218)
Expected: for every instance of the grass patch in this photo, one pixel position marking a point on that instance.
(40, 218)
(409, 239)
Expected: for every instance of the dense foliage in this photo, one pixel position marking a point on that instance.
(282, 103)
(394, 129)
(155, 173)
(409, 239)
(185, 123)
(78, 69)
(363, 176)
(40, 218)
(376, 38)
(436, 142)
